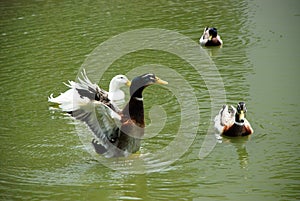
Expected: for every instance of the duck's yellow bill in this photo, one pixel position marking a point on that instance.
(160, 81)
(128, 83)
(242, 115)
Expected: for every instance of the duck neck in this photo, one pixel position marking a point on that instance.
(137, 93)
(135, 108)
(237, 120)
(112, 87)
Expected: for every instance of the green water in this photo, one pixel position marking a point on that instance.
(44, 43)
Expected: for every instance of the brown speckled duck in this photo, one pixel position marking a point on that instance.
(116, 132)
(232, 122)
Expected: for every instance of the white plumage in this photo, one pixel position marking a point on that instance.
(70, 100)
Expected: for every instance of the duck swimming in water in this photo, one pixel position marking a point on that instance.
(116, 132)
(115, 93)
(232, 122)
(210, 37)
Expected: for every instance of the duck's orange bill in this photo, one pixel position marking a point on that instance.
(128, 83)
(160, 81)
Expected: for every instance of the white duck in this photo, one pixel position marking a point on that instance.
(210, 37)
(115, 94)
(116, 132)
(232, 122)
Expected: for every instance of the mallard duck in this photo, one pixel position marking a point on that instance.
(210, 37)
(116, 132)
(115, 93)
(232, 122)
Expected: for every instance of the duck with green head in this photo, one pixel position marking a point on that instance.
(210, 37)
(232, 121)
(116, 132)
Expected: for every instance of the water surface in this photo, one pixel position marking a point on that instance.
(44, 43)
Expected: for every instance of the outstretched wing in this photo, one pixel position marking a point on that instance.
(103, 122)
(89, 103)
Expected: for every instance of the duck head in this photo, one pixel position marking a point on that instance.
(118, 81)
(139, 83)
(212, 33)
(240, 112)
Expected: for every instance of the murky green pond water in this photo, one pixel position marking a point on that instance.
(44, 43)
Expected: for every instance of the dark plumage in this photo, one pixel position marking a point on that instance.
(210, 37)
(117, 132)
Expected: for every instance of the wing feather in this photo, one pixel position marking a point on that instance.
(225, 118)
(90, 104)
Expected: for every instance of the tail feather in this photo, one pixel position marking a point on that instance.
(69, 100)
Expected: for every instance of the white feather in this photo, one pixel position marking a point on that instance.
(85, 101)
(226, 116)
